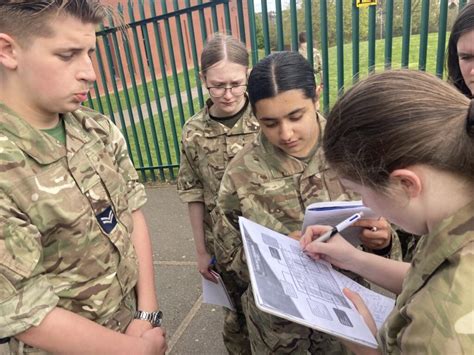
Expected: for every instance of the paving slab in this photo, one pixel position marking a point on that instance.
(192, 327)
(203, 335)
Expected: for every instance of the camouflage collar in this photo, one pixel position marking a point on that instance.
(246, 124)
(451, 235)
(39, 145)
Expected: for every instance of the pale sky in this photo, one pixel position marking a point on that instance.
(270, 5)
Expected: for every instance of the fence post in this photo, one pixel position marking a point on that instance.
(164, 77)
(253, 36)
(266, 32)
(145, 91)
(371, 38)
(240, 11)
(388, 33)
(294, 26)
(340, 45)
(406, 33)
(192, 39)
(425, 14)
(279, 26)
(184, 62)
(443, 16)
(323, 14)
(177, 89)
(355, 43)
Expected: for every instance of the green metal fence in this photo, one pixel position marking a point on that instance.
(148, 72)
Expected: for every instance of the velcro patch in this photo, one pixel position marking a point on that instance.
(107, 219)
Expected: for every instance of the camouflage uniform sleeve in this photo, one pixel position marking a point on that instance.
(228, 241)
(136, 195)
(26, 296)
(190, 188)
(392, 251)
(396, 249)
(442, 320)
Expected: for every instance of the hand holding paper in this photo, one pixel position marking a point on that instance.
(332, 213)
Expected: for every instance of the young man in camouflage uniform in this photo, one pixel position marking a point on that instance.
(75, 253)
(271, 182)
(210, 139)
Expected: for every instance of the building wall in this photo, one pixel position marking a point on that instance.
(156, 33)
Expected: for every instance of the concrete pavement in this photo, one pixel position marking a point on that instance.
(192, 327)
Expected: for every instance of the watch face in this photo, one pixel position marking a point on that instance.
(157, 318)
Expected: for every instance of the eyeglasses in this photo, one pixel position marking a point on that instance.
(219, 91)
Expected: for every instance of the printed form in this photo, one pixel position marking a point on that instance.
(289, 284)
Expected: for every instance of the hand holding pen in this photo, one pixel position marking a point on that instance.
(340, 227)
(337, 251)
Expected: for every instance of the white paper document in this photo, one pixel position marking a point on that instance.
(216, 293)
(289, 284)
(334, 212)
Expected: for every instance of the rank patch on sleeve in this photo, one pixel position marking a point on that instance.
(107, 219)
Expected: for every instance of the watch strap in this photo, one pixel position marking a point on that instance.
(155, 318)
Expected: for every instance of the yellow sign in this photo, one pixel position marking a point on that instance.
(365, 3)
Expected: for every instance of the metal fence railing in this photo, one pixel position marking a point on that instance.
(148, 72)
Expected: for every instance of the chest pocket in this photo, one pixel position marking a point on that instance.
(279, 202)
(107, 192)
(211, 158)
(236, 143)
(50, 197)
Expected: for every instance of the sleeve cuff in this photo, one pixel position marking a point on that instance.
(187, 196)
(136, 195)
(27, 307)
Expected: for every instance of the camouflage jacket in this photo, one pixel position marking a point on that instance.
(65, 221)
(268, 186)
(207, 148)
(434, 314)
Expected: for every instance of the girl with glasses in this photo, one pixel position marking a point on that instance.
(210, 139)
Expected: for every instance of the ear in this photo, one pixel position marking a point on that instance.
(317, 106)
(319, 91)
(408, 181)
(202, 77)
(249, 70)
(8, 51)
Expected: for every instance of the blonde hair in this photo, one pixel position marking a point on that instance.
(221, 47)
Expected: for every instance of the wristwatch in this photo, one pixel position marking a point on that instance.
(155, 318)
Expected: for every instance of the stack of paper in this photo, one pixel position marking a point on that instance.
(216, 293)
(331, 213)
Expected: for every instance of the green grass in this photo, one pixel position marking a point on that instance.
(168, 138)
(171, 138)
(379, 60)
(141, 92)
